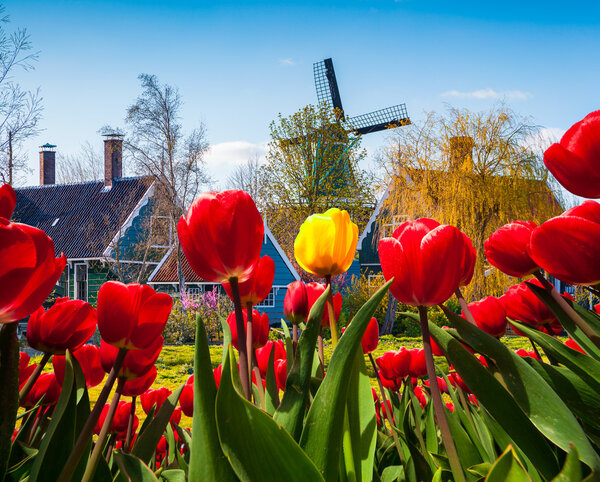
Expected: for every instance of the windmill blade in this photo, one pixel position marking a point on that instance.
(380, 120)
(326, 86)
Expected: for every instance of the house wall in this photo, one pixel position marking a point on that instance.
(97, 275)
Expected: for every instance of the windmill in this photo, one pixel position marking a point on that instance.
(379, 120)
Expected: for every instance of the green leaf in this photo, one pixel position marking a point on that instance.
(437, 477)
(467, 451)
(571, 471)
(207, 461)
(496, 399)
(173, 475)
(361, 410)
(146, 443)
(21, 460)
(480, 470)
(507, 469)
(271, 392)
(226, 338)
(393, 473)
(68, 419)
(135, 468)
(247, 435)
(290, 413)
(431, 432)
(322, 434)
(542, 405)
(583, 365)
(287, 339)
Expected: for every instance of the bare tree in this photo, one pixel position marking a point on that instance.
(157, 144)
(86, 165)
(20, 110)
(247, 177)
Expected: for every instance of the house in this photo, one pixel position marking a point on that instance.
(98, 225)
(164, 277)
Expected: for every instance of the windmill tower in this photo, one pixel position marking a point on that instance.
(379, 120)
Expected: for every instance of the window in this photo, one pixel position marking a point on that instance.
(81, 282)
(269, 301)
(161, 232)
(63, 282)
(388, 229)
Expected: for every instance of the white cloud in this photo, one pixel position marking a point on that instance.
(223, 157)
(289, 62)
(544, 138)
(488, 94)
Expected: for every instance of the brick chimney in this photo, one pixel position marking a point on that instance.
(113, 158)
(47, 164)
(461, 152)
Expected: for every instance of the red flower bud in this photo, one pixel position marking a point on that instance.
(154, 398)
(416, 255)
(573, 344)
(490, 315)
(186, 399)
(568, 246)
(120, 420)
(314, 290)
(25, 369)
(295, 303)
(527, 354)
(45, 386)
(258, 286)
(574, 161)
(135, 364)
(67, 324)
(450, 406)
(417, 367)
(263, 354)
(88, 357)
(28, 269)
(456, 379)
(394, 365)
(131, 316)
(443, 386)
(260, 328)
(222, 235)
(420, 394)
(370, 339)
(8, 201)
(521, 304)
(507, 249)
(281, 373)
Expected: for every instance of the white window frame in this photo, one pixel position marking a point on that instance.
(269, 301)
(75, 281)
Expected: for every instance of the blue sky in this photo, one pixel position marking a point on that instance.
(238, 65)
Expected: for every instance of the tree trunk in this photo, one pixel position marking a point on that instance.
(10, 159)
(390, 315)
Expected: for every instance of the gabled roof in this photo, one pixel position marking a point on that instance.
(81, 218)
(166, 271)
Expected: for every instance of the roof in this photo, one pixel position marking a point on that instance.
(81, 218)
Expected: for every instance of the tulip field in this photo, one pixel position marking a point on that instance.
(311, 401)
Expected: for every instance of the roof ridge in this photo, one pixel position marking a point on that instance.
(81, 183)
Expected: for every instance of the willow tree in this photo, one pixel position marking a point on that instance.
(474, 170)
(312, 165)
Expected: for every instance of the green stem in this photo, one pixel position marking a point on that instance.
(86, 433)
(249, 341)
(438, 405)
(417, 424)
(129, 436)
(33, 377)
(97, 452)
(9, 393)
(241, 336)
(568, 309)
(259, 385)
(331, 314)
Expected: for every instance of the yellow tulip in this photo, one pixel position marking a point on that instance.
(326, 243)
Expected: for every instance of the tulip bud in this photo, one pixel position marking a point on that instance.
(370, 339)
(507, 249)
(295, 303)
(260, 328)
(489, 315)
(88, 357)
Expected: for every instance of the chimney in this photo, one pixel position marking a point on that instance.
(47, 164)
(113, 158)
(461, 152)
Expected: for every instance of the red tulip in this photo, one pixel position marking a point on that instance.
(8, 201)
(281, 373)
(263, 354)
(521, 304)
(370, 339)
(568, 246)
(175, 417)
(135, 364)
(260, 328)
(469, 259)
(154, 398)
(527, 354)
(490, 315)
(137, 386)
(28, 269)
(295, 303)
(217, 373)
(455, 379)
(45, 386)
(473, 399)
(450, 406)
(420, 394)
(222, 235)
(314, 290)
(186, 399)
(443, 386)
(507, 249)
(131, 316)
(428, 261)
(573, 344)
(25, 369)
(120, 420)
(394, 365)
(258, 286)
(67, 324)
(417, 367)
(574, 161)
(88, 357)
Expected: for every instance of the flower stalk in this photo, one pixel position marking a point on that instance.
(239, 320)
